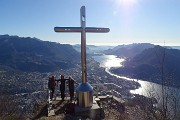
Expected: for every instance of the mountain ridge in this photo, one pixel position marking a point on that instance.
(130, 50)
(153, 63)
(31, 54)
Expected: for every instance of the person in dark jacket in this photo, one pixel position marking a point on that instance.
(51, 86)
(71, 87)
(62, 86)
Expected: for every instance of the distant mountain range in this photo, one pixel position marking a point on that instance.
(175, 47)
(128, 50)
(91, 49)
(151, 64)
(31, 54)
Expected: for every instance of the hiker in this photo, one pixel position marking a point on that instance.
(62, 86)
(71, 88)
(51, 86)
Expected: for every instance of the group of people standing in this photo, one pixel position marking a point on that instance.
(53, 82)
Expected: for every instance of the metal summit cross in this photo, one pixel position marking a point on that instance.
(83, 29)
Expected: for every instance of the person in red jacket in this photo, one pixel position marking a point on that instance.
(51, 86)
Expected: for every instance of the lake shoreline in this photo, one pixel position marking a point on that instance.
(124, 73)
(147, 89)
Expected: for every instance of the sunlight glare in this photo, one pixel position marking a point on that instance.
(127, 4)
(127, 1)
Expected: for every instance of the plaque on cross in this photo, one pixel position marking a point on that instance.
(83, 29)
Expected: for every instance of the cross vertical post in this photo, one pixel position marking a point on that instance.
(83, 44)
(84, 90)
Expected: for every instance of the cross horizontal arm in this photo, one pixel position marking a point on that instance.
(97, 30)
(80, 29)
(68, 29)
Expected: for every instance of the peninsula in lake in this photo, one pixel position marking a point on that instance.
(149, 62)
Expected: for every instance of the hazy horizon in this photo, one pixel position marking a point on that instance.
(102, 44)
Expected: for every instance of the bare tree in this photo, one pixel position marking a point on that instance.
(168, 94)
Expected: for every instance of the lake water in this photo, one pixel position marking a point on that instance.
(147, 89)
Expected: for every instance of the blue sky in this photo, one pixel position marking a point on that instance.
(130, 21)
